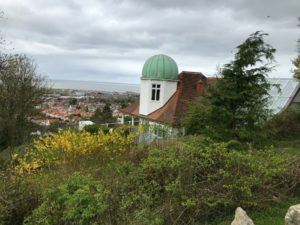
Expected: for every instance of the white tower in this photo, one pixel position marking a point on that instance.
(158, 83)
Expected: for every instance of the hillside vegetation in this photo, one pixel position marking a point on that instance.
(82, 178)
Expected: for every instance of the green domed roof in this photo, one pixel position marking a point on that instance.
(160, 67)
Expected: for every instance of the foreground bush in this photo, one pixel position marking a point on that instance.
(80, 201)
(69, 145)
(197, 179)
(95, 128)
(187, 182)
(18, 197)
(286, 124)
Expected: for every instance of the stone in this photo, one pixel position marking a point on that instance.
(241, 218)
(292, 216)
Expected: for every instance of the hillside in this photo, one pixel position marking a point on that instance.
(83, 178)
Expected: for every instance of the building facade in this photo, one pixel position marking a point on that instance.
(165, 94)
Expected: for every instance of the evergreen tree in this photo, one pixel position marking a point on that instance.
(104, 115)
(236, 106)
(296, 70)
(296, 61)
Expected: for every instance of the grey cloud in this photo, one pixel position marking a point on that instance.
(109, 40)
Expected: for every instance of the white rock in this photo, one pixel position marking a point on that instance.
(241, 218)
(292, 216)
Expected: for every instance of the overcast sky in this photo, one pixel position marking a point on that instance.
(109, 40)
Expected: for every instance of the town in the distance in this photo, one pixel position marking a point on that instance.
(65, 108)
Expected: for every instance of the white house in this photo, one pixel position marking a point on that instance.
(84, 123)
(165, 94)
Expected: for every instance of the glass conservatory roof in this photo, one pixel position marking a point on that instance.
(281, 97)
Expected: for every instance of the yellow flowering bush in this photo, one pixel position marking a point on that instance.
(67, 145)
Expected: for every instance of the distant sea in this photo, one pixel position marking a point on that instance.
(94, 86)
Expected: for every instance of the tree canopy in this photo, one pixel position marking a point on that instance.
(104, 115)
(21, 92)
(236, 106)
(296, 61)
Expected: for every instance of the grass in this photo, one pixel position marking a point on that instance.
(273, 215)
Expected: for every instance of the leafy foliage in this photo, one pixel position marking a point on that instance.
(21, 90)
(182, 182)
(236, 106)
(95, 128)
(188, 183)
(81, 200)
(68, 145)
(296, 70)
(285, 124)
(19, 196)
(296, 61)
(103, 116)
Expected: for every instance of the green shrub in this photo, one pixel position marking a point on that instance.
(182, 182)
(18, 197)
(286, 124)
(95, 128)
(236, 145)
(124, 130)
(236, 106)
(81, 200)
(190, 182)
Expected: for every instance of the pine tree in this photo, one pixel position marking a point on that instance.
(104, 115)
(236, 106)
(296, 61)
(296, 70)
